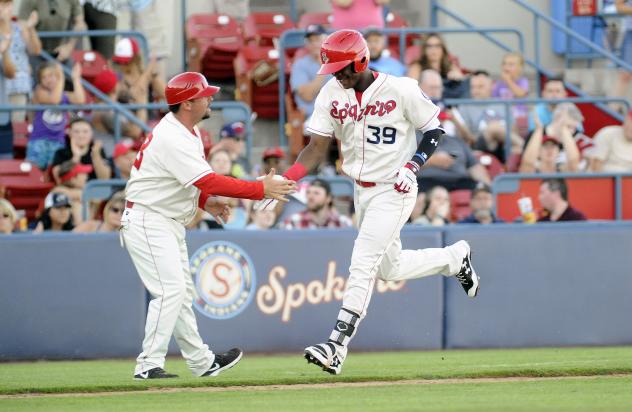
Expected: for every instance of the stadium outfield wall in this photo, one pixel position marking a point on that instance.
(78, 296)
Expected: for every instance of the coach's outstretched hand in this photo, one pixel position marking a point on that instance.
(218, 208)
(276, 187)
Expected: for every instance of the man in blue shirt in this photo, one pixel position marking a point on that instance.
(381, 61)
(304, 81)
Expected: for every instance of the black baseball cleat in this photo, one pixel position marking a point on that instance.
(328, 356)
(224, 361)
(155, 373)
(467, 275)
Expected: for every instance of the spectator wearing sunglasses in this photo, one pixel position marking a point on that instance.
(111, 221)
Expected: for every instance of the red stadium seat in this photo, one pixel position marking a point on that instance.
(26, 191)
(20, 139)
(18, 167)
(263, 28)
(256, 77)
(395, 21)
(213, 41)
(460, 204)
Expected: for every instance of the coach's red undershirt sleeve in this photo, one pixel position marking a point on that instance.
(217, 185)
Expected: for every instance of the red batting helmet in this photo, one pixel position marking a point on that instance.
(342, 48)
(188, 86)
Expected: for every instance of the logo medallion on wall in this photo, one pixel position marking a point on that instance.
(224, 279)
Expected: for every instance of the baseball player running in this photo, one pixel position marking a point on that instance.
(170, 179)
(375, 116)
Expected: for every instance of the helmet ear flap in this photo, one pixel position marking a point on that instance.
(361, 62)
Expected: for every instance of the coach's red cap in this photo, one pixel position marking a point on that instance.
(188, 86)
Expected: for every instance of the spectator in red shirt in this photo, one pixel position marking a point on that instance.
(554, 200)
(320, 212)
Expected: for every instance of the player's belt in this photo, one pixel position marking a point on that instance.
(365, 184)
(129, 204)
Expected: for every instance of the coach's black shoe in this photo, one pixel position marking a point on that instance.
(224, 361)
(467, 275)
(155, 373)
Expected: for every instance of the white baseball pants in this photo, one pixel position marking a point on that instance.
(158, 249)
(377, 252)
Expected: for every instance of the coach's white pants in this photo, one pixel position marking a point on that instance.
(377, 253)
(158, 249)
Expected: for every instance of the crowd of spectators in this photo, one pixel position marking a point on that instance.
(74, 147)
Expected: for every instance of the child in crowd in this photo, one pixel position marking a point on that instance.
(49, 126)
(513, 84)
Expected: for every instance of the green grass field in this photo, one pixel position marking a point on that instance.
(579, 379)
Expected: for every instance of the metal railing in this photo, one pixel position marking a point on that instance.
(87, 85)
(142, 40)
(435, 7)
(508, 103)
(510, 183)
(537, 15)
(118, 110)
(295, 38)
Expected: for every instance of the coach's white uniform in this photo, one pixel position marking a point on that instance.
(377, 138)
(164, 200)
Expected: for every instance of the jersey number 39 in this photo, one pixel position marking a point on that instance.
(384, 135)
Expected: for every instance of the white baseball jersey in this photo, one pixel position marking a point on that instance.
(169, 162)
(377, 135)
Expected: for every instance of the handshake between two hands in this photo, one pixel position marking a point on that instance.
(275, 187)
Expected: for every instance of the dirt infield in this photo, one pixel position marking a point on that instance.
(300, 386)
